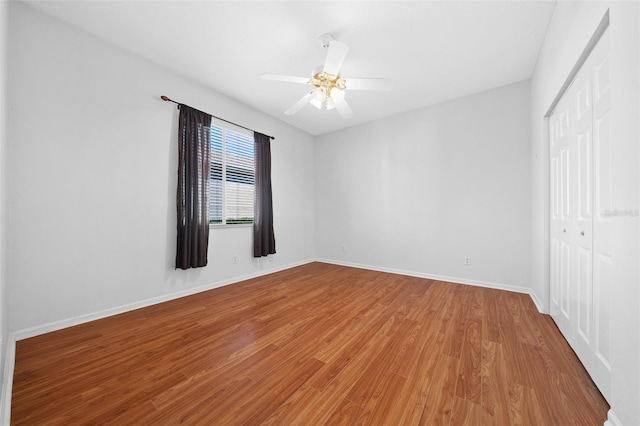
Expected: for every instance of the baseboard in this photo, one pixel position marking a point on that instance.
(70, 322)
(536, 302)
(455, 280)
(7, 381)
(612, 419)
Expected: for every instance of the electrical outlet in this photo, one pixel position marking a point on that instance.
(235, 259)
(467, 261)
(344, 248)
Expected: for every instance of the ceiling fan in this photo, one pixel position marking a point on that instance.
(328, 86)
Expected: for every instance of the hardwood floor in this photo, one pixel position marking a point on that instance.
(318, 344)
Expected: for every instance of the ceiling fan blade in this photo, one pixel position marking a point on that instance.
(369, 83)
(287, 78)
(335, 57)
(298, 105)
(344, 109)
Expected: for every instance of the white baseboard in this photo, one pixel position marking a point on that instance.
(612, 419)
(536, 302)
(7, 381)
(70, 322)
(455, 280)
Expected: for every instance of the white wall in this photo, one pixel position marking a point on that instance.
(571, 27)
(4, 325)
(420, 191)
(92, 180)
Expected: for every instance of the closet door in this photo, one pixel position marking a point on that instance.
(581, 95)
(580, 177)
(561, 213)
(602, 225)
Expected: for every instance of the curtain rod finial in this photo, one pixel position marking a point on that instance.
(164, 98)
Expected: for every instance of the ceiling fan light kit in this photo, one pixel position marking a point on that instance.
(329, 88)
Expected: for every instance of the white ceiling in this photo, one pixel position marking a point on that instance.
(433, 50)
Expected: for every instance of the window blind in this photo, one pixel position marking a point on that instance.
(232, 184)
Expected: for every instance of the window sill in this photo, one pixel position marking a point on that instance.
(234, 225)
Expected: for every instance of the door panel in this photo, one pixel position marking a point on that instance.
(565, 184)
(555, 189)
(602, 280)
(584, 182)
(565, 278)
(584, 313)
(555, 271)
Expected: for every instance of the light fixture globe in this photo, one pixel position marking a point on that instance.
(337, 95)
(319, 94)
(329, 103)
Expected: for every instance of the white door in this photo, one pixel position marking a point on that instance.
(580, 231)
(561, 212)
(602, 224)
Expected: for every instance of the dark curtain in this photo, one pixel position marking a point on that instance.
(264, 241)
(193, 175)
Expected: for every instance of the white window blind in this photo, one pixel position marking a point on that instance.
(231, 183)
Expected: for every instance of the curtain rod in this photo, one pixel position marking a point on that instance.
(166, 99)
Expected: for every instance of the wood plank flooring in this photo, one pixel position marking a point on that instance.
(313, 345)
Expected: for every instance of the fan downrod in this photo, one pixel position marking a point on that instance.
(325, 39)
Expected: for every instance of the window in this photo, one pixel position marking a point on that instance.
(231, 178)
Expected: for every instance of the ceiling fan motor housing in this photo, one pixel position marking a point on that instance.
(325, 39)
